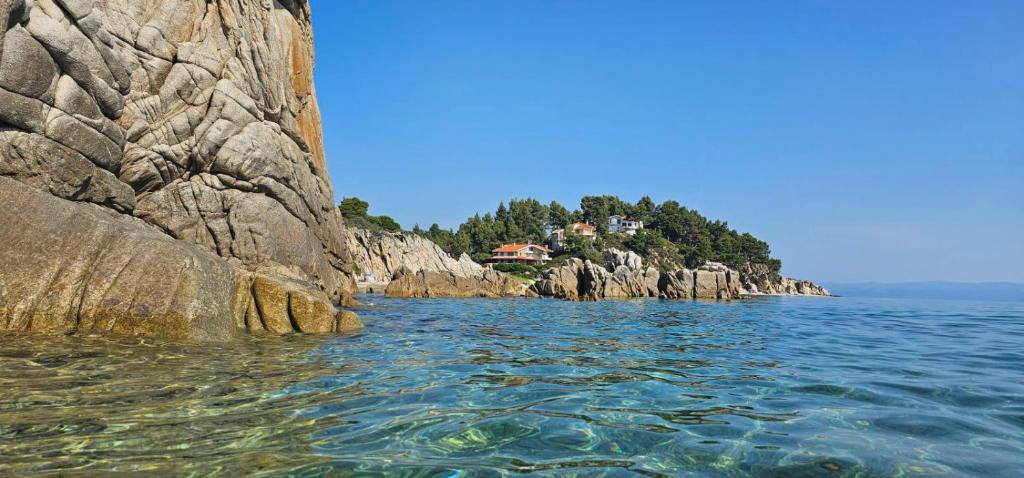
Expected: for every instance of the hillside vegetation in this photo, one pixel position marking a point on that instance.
(674, 235)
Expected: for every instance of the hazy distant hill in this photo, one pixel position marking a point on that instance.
(932, 290)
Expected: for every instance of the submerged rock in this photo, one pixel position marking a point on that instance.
(163, 170)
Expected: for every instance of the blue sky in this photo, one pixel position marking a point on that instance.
(863, 140)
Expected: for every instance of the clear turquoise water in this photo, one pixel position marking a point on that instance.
(450, 388)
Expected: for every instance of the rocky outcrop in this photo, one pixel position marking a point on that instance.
(789, 286)
(623, 276)
(181, 142)
(409, 265)
(384, 253)
(489, 283)
(88, 269)
(757, 279)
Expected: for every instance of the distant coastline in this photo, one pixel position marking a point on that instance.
(999, 291)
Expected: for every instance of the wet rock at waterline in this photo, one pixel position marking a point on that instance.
(489, 283)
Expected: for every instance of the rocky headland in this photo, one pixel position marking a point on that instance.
(408, 265)
(162, 171)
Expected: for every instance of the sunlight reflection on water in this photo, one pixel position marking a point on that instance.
(765, 387)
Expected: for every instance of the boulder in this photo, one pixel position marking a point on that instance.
(705, 284)
(613, 258)
(561, 282)
(676, 284)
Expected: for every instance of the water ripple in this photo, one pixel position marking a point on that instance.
(453, 388)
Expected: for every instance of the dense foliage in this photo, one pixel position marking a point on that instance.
(357, 213)
(674, 235)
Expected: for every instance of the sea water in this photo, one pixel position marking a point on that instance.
(452, 388)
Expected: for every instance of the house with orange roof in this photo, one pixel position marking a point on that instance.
(580, 229)
(520, 253)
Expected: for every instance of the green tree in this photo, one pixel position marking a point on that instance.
(649, 243)
(596, 211)
(356, 213)
(674, 233)
(528, 219)
(352, 208)
(644, 209)
(582, 246)
(560, 216)
(386, 223)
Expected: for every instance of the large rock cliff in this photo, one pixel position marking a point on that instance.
(162, 170)
(384, 253)
(408, 265)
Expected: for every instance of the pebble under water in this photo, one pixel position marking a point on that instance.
(450, 388)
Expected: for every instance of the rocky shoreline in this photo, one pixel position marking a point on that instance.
(426, 284)
(407, 265)
(623, 276)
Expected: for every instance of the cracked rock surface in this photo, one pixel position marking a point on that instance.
(422, 284)
(413, 266)
(162, 170)
(624, 276)
(384, 253)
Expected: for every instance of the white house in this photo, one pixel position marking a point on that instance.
(617, 224)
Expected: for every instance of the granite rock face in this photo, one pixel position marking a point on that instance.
(183, 135)
(422, 284)
(409, 265)
(384, 253)
(623, 276)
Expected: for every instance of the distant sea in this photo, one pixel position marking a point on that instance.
(1000, 291)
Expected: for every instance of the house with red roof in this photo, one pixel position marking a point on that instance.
(520, 253)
